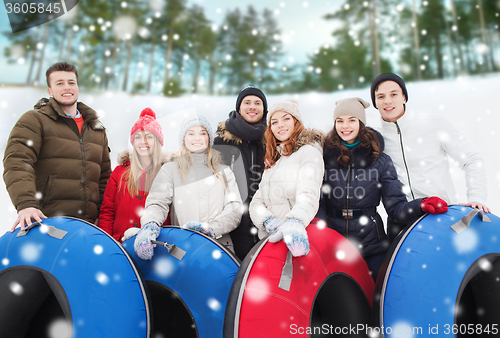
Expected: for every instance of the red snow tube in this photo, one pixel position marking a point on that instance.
(331, 285)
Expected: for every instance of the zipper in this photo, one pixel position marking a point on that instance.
(347, 202)
(72, 124)
(404, 158)
(376, 227)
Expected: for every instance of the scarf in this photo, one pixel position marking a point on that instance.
(240, 128)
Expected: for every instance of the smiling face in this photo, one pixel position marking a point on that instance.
(196, 139)
(282, 124)
(144, 143)
(347, 128)
(63, 86)
(252, 109)
(390, 101)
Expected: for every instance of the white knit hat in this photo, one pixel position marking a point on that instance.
(289, 106)
(354, 106)
(195, 120)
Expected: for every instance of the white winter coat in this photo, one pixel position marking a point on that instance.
(425, 142)
(201, 198)
(291, 187)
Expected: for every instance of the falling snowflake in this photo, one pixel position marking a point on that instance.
(16, 288)
(257, 290)
(214, 304)
(363, 220)
(59, 328)
(163, 267)
(98, 249)
(321, 224)
(102, 278)
(216, 254)
(31, 252)
(485, 265)
(466, 241)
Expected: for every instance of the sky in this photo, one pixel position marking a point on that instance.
(302, 26)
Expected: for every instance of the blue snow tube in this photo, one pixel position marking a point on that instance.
(68, 278)
(188, 295)
(442, 281)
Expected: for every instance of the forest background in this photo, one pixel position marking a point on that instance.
(178, 56)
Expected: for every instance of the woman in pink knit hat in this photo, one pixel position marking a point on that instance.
(129, 184)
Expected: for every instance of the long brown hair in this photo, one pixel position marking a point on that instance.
(368, 139)
(272, 154)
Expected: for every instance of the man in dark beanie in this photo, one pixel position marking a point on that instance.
(239, 138)
(420, 145)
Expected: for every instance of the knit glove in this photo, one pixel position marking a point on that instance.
(272, 223)
(434, 205)
(142, 245)
(293, 232)
(199, 227)
(129, 233)
(295, 237)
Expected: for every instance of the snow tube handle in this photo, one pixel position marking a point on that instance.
(286, 273)
(52, 231)
(464, 223)
(173, 249)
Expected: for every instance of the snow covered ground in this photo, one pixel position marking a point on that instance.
(469, 103)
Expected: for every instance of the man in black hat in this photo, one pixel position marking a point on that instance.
(240, 140)
(420, 145)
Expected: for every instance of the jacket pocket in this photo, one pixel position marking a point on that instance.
(376, 227)
(45, 191)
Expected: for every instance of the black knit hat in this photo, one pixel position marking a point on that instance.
(387, 77)
(251, 90)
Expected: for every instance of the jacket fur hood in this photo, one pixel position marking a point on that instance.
(361, 157)
(225, 135)
(309, 136)
(124, 157)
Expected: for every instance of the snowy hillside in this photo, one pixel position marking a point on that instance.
(469, 103)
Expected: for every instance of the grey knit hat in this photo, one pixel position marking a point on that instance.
(352, 107)
(289, 106)
(195, 120)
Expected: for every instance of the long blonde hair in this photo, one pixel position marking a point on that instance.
(133, 173)
(184, 161)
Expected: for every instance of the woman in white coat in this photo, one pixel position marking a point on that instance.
(199, 192)
(289, 192)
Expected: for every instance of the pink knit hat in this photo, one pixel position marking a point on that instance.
(147, 121)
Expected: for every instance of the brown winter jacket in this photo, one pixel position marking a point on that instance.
(50, 166)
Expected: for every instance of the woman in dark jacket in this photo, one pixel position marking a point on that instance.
(357, 176)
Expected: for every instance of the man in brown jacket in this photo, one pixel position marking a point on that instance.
(56, 161)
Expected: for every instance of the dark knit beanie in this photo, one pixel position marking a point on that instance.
(387, 77)
(147, 121)
(251, 90)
